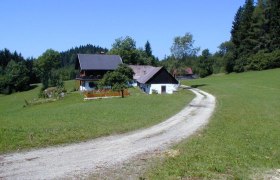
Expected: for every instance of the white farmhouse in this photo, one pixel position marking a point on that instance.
(154, 79)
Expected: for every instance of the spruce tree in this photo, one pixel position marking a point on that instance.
(257, 36)
(274, 24)
(245, 24)
(148, 49)
(235, 31)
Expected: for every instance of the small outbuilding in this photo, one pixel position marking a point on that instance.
(154, 79)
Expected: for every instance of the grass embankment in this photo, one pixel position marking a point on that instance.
(73, 119)
(243, 137)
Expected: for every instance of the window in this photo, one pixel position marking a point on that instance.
(91, 84)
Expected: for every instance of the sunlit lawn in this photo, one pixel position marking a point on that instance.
(73, 119)
(243, 137)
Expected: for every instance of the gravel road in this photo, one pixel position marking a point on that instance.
(78, 160)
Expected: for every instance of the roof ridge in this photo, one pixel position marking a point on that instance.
(150, 74)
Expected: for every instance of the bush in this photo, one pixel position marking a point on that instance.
(154, 91)
(263, 60)
(241, 64)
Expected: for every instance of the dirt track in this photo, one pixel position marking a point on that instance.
(78, 160)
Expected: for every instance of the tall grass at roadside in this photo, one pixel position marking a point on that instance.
(73, 119)
(243, 136)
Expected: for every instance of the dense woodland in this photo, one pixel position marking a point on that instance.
(254, 45)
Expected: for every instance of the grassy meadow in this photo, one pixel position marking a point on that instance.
(73, 119)
(243, 136)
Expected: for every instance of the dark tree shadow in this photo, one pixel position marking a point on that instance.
(32, 86)
(194, 86)
(198, 85)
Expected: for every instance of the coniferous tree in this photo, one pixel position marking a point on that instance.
(235, 31)
(17, 75)
(257, 34)
(245, 24)
(148, 49)
(274, 24)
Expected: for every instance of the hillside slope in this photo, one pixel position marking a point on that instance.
(242, 139)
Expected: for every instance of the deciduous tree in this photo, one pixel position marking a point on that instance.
(118, 80)
(45, 65)
(126, 48)
(183, 46)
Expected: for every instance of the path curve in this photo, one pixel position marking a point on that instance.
(79, 159)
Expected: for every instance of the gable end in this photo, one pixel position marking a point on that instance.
(162, 77)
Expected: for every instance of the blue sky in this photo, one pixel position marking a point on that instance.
(33, 26)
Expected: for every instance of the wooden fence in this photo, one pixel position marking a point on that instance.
(104, 93)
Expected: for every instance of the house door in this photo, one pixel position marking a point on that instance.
(163, 89)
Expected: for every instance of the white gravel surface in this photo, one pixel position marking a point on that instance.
(79, 160)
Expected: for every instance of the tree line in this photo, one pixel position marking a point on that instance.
(53, 67)
(255, 37)
(254, 44)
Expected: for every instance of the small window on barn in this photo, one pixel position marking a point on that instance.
(91, 84)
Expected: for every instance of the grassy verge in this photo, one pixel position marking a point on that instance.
(243, 136)
(73, 119)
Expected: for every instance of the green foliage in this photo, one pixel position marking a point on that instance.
(67, 72)
(148, 49)
(183, 56)
(258, 36)
(126, 48)
(183, 46)
(226, 56)
(255, 32)
(4, 85)
(74, 120)
(235, 31)
(205, 64)
(68, 58)
(14, 72)
(242, 137)
(245, 46)
(46, 65)
(17, 76)
(262, 60)
(126, 71)
(273, 14)
(118, 79)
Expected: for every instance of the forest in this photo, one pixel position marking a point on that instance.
(254, 45)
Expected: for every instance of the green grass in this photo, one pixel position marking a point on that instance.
(73, 119)
(243, 137)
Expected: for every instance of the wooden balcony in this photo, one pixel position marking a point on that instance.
(88, 78)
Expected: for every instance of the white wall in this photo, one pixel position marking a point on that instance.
(85, 86)
(133, 83)
(170, 88)
(148, 88)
